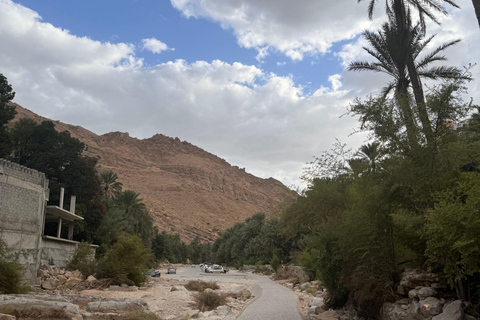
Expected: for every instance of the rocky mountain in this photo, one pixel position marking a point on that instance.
(186, 189)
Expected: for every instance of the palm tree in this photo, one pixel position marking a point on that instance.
(130, 203)
(109, 184)
(398, 8)
(392, 48)
(371, 153)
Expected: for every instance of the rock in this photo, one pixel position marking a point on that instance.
(327, 315)
(72, 282)
(222, 311)
(452, 311)
(113, 306)
(317, 302)
(7, 317)
(415, 278)
(239, 292)
(49, 284)
(77, 274)
(178, 288)
(31, 308)
(394, 311)
(430, 307)
(91, 279)
(425, 292)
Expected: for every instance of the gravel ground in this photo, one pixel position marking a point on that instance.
(173, 305)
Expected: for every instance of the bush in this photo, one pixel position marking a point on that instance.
(263, 270)
(200, 286)
(275, 262)
(125, 262)
(83, 260)
(11, 279)
(139, 315)
(209, 300)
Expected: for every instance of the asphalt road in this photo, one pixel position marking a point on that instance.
(272, 301)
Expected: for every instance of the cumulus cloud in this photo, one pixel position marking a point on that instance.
(154, 45)
(294, 28)
(250, 117)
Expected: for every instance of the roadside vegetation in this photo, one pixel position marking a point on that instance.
(11, 272)
(200, 286)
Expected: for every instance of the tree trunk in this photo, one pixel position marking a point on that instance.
(420, 100)
(476, 6)
(403, 101)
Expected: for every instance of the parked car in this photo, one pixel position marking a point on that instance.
(215, 268)
(152, 273)
(171, 271)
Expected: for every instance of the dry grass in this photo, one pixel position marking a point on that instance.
(209, 300)
(140, 315)
(200, 286)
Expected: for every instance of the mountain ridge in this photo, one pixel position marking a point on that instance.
(186, 189)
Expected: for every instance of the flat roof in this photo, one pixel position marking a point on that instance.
(62, 213)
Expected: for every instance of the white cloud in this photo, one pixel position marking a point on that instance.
(154, 45)
(252, 118)
(295, 28)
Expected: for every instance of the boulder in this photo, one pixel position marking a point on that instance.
(412, 278)
(7, 317)
(178, 288)
(239, 292)
(49, 284)
(114, 306)
(394, 311)
(31, 308)
(421, 293)
(223, 311)
(452, 311)
(428, 307)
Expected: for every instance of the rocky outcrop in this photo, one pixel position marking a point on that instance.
(186, 189)
(68, 307)
(421, 300)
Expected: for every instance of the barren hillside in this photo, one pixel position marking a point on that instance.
(186, 189)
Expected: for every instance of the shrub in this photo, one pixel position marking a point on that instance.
(83, 260)
(125, 262)
(11, 279)
(209, 300)
(200, 286)
(275, 262)
(263, 270)
(139, 315)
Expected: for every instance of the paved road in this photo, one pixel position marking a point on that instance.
(273, 302)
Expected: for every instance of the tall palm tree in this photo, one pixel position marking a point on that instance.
(109, 184)
(425, 8)
(392, 47)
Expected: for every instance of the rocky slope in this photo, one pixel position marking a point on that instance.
(186, 189)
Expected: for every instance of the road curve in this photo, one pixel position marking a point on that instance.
(272, 302)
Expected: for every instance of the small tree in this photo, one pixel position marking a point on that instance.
(275, 262)
(126, 261)
(7, 113)
(11, 279)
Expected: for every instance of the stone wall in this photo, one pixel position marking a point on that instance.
(23, 194)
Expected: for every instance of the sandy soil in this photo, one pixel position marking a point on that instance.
(173, 305)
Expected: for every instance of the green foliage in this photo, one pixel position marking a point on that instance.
(126, 261)
(275, 263)
(7, 113)
(83, 260)
(11, 272)
(453, 229)
(209, 300)
(200, 286)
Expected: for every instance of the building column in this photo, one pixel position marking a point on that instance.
(59, 228)
(70, 231)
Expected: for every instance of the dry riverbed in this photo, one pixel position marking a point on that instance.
(180, 304)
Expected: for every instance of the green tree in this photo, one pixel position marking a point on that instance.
(7, 113)
(110, 185)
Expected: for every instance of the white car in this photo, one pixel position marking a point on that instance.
(215, 269)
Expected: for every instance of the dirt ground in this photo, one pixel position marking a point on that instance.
(173, 305)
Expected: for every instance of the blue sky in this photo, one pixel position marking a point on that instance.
(260, 83)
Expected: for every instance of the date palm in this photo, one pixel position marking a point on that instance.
(400, 10)
(392, 48)
(110, 185)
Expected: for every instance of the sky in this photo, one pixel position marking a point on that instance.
(262, 84)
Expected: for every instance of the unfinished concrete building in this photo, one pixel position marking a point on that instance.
(38, 234)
